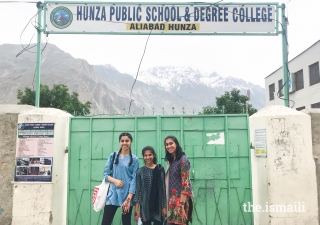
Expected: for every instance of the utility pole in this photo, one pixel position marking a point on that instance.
(248, 95)
(39, 30)
(285, 56)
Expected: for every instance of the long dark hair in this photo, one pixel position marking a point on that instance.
(179, 152)
(125, 134)
(149, 148)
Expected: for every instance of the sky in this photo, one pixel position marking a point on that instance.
(251, 58)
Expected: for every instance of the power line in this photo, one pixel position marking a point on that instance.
(135, 80)
(145, 47)
(131, 100)
(210, 4)
(287, 65)
(37, 26)
(26, 48)
(34, 75)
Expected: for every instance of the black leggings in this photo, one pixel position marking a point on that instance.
(110, 211)
(155, 222)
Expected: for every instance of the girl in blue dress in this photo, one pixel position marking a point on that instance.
(122, 180)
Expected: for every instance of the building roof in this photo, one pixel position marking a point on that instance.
(294, 58)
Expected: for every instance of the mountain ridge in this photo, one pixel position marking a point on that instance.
(213, 82)
(156, 90)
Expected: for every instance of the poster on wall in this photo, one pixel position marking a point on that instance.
(260, 143)
(34, 152)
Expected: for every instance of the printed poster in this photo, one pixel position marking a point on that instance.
(260, 143)
(34, 153)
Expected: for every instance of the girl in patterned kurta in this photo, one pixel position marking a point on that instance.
(179, 190)
(150, 190)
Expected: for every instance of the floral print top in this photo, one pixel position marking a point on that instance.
(179, 183)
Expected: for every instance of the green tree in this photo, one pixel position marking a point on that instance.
(58, 97)
(229, 103)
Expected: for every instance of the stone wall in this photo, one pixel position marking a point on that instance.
(8, 135)
(315, 129)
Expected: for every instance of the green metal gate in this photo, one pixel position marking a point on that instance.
(216, 145)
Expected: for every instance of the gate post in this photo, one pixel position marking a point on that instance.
(284, 185)
(43, 202)
(39, 30)
(285, 56)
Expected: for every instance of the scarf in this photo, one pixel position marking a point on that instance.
(154, 193)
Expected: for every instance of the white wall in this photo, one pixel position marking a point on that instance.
(44, 203)
(287, 175)
(303, 97)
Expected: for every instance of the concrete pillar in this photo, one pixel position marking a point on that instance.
(284, 182)
(45, 203)
(315, 130)
(8, 137)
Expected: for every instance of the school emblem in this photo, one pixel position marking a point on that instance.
(20, 126)
(61, 17)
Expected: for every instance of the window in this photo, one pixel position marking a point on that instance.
(271, 91)
(315, 105)
(298, 77)
(314, 73)
(300, 108)
(280, 87)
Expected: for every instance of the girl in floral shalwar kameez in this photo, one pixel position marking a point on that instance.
(178, 185)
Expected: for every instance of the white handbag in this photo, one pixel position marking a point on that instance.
(99, 196)
(100, 192)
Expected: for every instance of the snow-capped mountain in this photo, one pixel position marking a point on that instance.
(169, 78)
(157, 90)
(199, 87)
